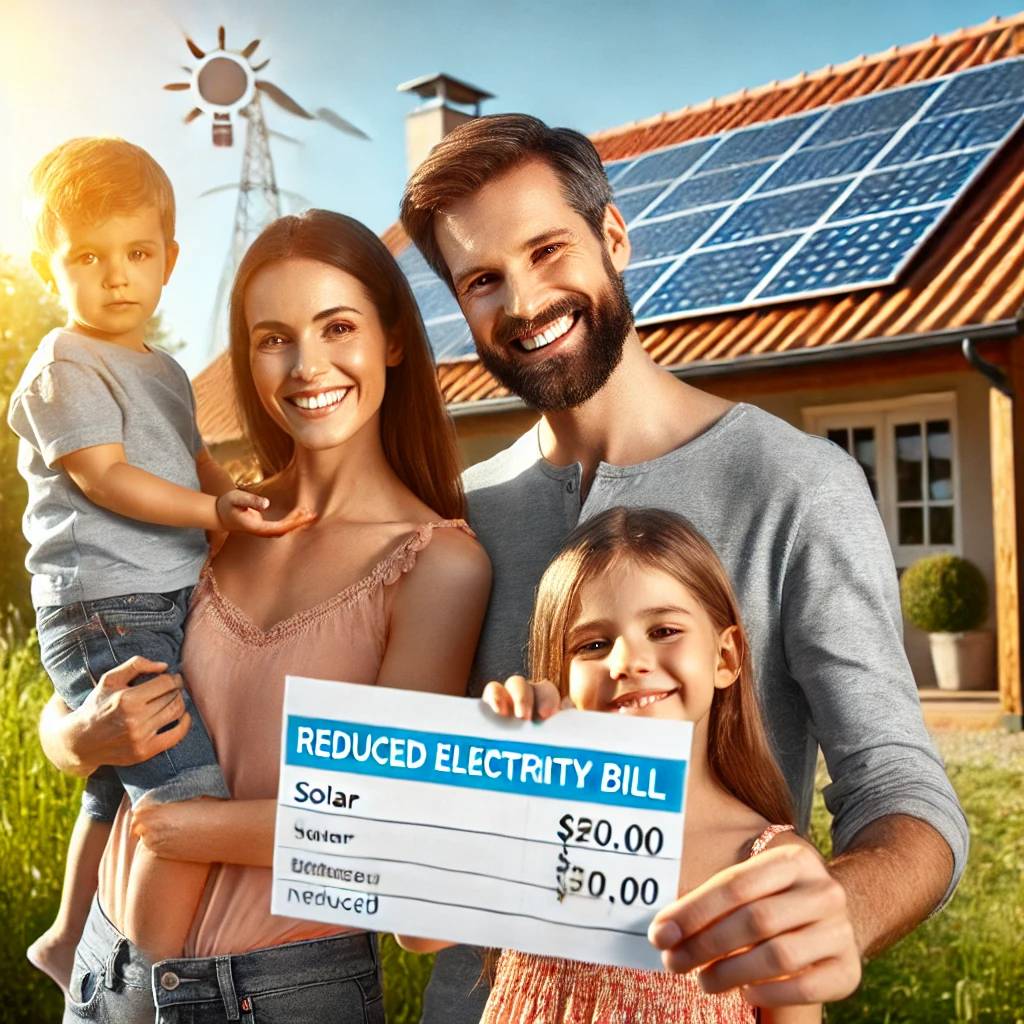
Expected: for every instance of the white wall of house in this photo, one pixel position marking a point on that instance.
(966, 394)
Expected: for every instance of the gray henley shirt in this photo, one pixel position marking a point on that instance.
(794, 523)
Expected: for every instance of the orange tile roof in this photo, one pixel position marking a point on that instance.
(970, 272)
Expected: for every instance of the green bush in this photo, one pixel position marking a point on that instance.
(944, 594)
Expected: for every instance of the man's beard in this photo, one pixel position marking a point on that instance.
(565, 381)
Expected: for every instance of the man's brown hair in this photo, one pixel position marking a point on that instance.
(88, 180)
(486, 147)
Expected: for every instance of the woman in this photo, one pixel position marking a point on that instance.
(336, 389)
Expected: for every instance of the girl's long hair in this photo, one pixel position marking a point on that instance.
(416, 432)
(738, 753)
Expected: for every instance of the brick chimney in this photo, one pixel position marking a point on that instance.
(445, 107)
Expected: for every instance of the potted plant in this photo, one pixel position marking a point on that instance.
(947, 596)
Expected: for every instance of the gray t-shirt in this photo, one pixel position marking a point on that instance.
(77, 392)
(794, 523)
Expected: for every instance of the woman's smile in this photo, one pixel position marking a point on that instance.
(316, 404)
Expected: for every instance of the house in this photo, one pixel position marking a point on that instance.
(881, 370)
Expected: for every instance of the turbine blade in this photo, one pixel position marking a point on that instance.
(220, 36)
(196, 52)
(192, 115)
(282, 99)
(218, 188)
(250, 49)
(284, 138)
(260, 67)
(336, 121)
(177, 86)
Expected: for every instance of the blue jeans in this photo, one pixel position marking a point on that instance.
(322, 981)
(79, 642)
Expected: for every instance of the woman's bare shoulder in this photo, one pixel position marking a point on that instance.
(453, 557)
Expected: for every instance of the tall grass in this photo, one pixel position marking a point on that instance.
(964, 966)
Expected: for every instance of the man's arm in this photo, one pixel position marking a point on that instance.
(895, 872)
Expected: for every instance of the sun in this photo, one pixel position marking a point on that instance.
(224, 84)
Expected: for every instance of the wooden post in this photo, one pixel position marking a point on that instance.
(1006, 420)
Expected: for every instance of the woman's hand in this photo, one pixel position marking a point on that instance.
(519, 697)
(117, 724)
(176, 831)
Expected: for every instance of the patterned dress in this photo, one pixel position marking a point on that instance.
(531, 989)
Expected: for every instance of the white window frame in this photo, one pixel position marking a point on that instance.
(884, 415)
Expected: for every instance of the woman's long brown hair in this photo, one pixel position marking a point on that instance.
(416, 432)
(738, 754)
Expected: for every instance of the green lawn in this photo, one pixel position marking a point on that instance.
(965, 965)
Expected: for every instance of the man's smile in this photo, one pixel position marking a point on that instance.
(552, 332)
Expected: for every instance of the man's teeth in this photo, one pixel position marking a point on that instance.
(320, 401)
(552, 333)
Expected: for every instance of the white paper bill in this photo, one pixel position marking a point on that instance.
(431, 816)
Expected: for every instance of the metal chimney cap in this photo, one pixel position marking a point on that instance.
(445, 87)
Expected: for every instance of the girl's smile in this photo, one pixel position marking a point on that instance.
(641, 644)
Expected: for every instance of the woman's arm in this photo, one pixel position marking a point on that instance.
(437, 614)
(117, 724)
(209, 831)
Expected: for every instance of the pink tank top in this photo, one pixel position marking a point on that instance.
(530, 989)
(235, 672)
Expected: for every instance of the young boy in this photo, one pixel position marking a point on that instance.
(120, 492)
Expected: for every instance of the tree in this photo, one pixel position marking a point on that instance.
(27, 312)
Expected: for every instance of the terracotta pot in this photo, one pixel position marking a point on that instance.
(964, 661)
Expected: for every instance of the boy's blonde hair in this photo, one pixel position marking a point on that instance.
(90, 179)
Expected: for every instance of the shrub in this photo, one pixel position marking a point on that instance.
(944, 594)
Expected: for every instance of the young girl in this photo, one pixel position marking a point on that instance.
(636, 616)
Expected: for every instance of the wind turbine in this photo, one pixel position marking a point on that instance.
(224, 84)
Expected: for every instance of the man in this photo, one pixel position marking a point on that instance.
(518, 219)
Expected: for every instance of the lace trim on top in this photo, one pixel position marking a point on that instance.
(387, 571)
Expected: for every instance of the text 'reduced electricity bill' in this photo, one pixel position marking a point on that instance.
(561, 837)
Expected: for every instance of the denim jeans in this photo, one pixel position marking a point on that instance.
(322, 981)
(79, 642)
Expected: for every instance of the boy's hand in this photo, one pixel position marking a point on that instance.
(243, 512)
(519, 697)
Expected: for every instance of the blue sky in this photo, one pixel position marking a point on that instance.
(93, 67)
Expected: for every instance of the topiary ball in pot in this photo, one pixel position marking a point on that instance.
(944, 594)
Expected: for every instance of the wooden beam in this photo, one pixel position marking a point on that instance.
(853, 372)
(1006, 422)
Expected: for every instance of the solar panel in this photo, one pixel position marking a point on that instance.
(831, 199)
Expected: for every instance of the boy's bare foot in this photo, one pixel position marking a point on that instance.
(54, 956)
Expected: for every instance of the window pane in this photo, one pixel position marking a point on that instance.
(940, 463)
(864, 453)
(908, 463)
(911, 525)
(940, 524)
(840, 437)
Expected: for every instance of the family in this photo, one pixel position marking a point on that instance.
(645, 549)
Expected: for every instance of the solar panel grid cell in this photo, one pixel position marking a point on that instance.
(995, 83)
(716, 278)
(915, 185)
(832, 161)
(934, 136)
(798, 208)
(710, 188)
(666, 164)
(750, 145)
(866, 251)
(631, 203)
(671, 237)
